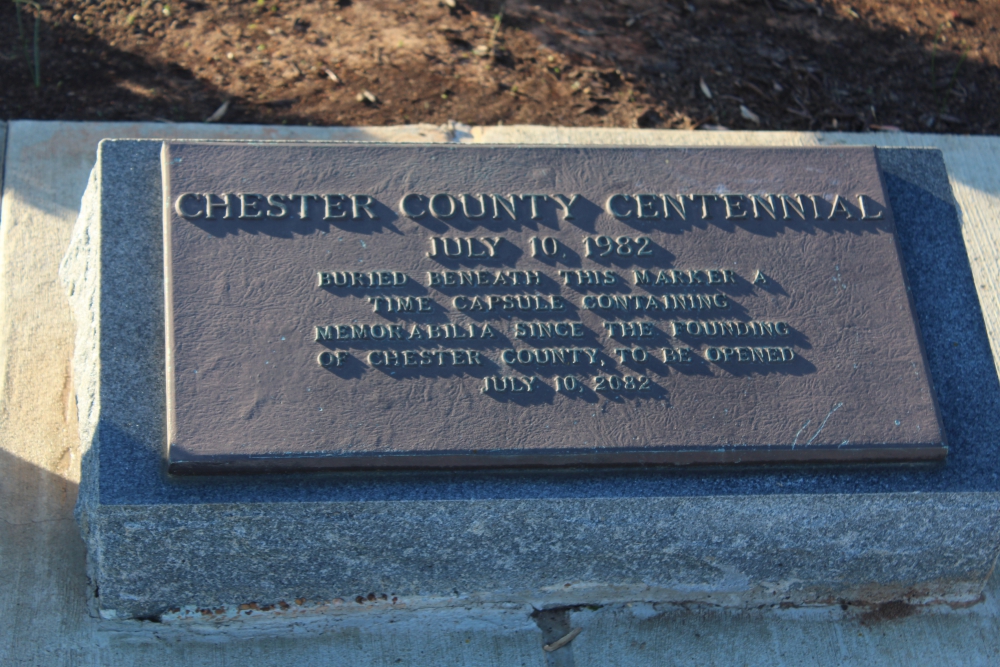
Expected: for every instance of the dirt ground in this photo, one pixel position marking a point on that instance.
(915, 65)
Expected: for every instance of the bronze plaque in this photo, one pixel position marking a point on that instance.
(339, 306)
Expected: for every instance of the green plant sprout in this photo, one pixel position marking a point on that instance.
(934, 44)
(934, 53)
(954, 79)
(34, 64)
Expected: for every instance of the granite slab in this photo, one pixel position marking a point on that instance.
(799, 534)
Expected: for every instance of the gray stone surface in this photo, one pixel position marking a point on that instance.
(796, 535)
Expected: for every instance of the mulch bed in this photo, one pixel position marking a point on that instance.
(920, 66)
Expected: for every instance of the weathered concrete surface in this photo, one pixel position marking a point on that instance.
(42, 583)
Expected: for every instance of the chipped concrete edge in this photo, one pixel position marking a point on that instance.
(255, 620)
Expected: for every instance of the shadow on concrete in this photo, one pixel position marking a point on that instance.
(43, 581)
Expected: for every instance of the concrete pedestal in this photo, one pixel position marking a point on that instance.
(44, 589)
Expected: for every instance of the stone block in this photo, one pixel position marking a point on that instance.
(734, 536)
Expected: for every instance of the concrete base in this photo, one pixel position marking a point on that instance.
(41, 558)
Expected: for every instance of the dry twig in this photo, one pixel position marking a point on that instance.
(567, 638)
(219, 113)
(492, 43)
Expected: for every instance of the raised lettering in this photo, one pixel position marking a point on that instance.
(566, 205)
(184, 213)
